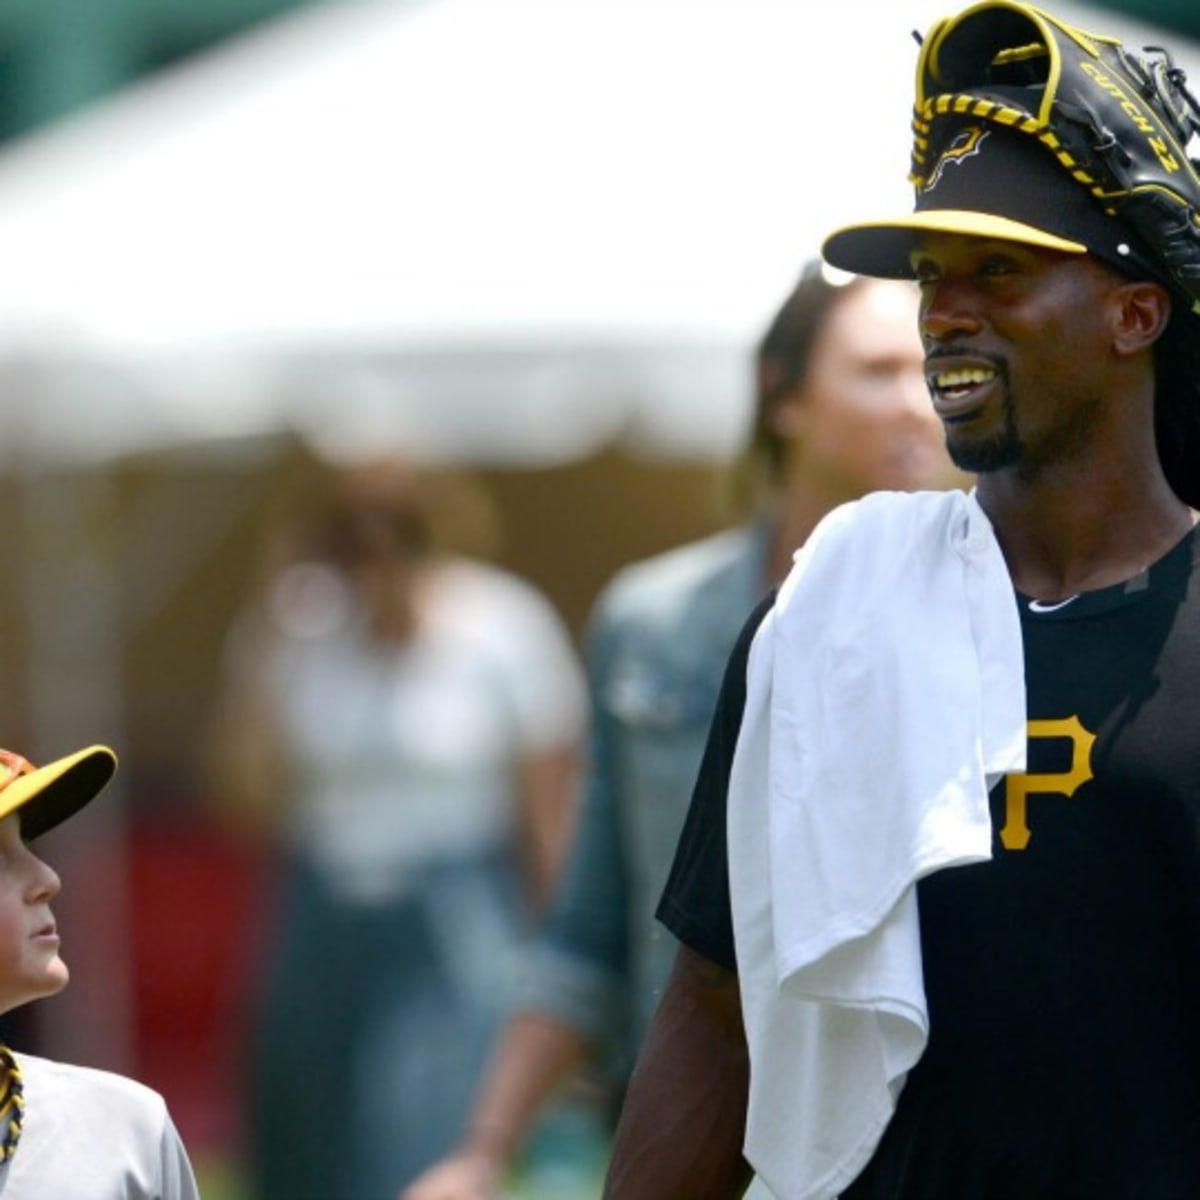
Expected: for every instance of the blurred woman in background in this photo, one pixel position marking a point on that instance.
(403, 724)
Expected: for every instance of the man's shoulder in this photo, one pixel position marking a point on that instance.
(884, 507)
(895, 520)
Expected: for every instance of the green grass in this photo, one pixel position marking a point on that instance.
(219, 1179)
(572, 1169)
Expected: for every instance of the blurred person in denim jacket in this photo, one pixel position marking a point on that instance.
(842, 409)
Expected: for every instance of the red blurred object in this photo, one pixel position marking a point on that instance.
(199, 911)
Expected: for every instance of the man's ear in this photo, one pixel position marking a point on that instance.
(1142, 310)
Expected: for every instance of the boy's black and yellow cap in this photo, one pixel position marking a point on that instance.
(47, 796)
(1026, 129)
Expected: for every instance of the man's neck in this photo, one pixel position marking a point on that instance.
(1063, 537)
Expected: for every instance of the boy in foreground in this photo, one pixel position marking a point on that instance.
(66, 1132)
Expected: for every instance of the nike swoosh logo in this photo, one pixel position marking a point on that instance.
(1042, 607)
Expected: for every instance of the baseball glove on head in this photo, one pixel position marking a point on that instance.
(1120, 123)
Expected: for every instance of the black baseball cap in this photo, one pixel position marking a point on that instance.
(990, 181)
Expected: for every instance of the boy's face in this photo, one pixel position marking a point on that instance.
(30, 967)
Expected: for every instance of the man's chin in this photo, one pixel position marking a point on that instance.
(979, 456)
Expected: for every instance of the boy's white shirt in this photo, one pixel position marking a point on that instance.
(885, 694)
(93, 1135)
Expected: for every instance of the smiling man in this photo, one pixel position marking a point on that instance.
(1003, 199)
(938, 894)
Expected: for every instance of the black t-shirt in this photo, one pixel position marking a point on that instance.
(1062, 976)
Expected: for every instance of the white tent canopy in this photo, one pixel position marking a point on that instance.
(450, 221)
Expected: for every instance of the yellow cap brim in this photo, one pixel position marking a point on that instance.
(49, 795)
(885, 248)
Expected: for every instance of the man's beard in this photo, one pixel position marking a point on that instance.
(993, 453)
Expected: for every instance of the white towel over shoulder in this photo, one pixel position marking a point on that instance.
(885, 694)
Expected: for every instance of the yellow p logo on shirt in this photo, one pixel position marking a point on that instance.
(1015, 834)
